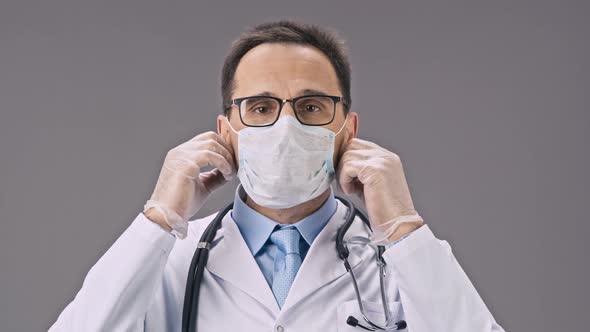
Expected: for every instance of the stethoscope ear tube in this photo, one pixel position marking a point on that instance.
(351, 212)
(340, 247)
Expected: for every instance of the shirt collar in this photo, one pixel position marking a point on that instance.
(256, 228)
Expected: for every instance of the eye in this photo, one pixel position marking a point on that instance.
(314, 105)
(310, 108)
(260, 110)
(260, 106)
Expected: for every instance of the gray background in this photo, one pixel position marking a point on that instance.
(485, 102)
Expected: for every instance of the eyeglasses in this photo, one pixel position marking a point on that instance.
(311, 110)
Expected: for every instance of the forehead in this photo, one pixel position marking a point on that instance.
(285, 70)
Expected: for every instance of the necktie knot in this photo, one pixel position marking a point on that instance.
(287, 239)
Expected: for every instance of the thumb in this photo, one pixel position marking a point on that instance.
(343, 188)
(213, 179)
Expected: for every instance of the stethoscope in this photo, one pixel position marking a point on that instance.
(199, 261)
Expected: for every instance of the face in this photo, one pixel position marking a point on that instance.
(285, 70)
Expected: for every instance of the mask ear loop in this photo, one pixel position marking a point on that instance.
(343, 125)
(232, 128)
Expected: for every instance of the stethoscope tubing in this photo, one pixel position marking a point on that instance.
(196, 270)
(201, 255)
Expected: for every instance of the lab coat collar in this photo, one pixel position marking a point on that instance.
(231, 260)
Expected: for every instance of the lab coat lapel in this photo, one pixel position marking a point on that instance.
(231, 260)
(322, 263)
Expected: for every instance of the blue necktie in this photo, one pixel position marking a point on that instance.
(287, 261)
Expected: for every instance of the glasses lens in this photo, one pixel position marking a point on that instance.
(315, 110)
(258, 111)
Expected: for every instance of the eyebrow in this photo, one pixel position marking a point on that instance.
(304, 92)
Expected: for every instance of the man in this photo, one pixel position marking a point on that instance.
(287, 131)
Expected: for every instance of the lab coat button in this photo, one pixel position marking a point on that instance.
(280, 328)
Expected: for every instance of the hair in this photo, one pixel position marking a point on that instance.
(287, 31)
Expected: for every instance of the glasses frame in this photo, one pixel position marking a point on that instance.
(293, 101)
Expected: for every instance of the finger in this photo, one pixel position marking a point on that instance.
(212, 179)
(212, 145)
(353, 145)
(225, 144)
(214, 136)
(352, 155)
(359, 144)
(228, 151)
(205, 158)
(203, 136)
(357, 155)
(347, 174)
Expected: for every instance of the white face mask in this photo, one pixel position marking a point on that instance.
(285, 164)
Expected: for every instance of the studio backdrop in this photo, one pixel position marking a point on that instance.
(486, 103)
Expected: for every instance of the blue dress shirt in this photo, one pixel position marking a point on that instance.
(256, 229)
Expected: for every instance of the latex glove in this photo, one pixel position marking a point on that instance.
(181, 189)
(376, 175)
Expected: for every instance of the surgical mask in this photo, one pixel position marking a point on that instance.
(285, 164)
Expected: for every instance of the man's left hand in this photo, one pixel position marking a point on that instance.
(376, 175)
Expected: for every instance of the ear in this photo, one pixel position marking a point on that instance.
(222, 129)
(352, 125)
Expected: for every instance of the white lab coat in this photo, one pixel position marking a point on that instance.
(139, 284)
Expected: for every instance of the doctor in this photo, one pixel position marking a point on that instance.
(286, 133)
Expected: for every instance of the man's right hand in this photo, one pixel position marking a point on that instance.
(181, 186)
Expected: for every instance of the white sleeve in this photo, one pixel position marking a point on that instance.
(435, 292)
(118, 289)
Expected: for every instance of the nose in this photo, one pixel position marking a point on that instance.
(288, 109)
